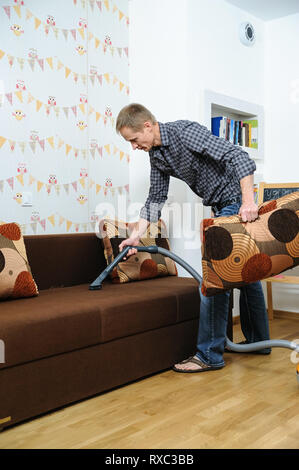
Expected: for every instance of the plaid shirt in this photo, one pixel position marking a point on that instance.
(211, 166)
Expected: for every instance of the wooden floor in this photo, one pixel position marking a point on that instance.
(251, 403)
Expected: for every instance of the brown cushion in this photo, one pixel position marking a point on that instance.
(142, 265)
(15, 274)
(64, 319)
(235, 253)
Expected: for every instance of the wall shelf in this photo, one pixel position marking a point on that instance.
(216, 104)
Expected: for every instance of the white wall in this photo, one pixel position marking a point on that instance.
(281, 122)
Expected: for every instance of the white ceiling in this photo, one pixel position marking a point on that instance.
(268, 9)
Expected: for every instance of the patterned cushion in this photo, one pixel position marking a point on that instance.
(15, 274)
(235, 253)
(142, 265)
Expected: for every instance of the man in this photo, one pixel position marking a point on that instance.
(222, 175)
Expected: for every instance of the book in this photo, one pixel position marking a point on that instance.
(216, 125)
(253, 132)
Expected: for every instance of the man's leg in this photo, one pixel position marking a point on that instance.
(253, 315)
(212, 325)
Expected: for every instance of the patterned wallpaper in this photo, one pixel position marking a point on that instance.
(64, 69)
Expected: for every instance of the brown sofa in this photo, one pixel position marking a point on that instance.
(70, 343)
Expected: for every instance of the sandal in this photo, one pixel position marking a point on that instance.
(202, 366)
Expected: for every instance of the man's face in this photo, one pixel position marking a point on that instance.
(141, 140)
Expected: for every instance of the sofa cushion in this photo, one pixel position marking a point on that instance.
(143, 265)
(236, 253)
(15, 275)
(60, 320)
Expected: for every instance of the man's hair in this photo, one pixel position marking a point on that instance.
(134, 115)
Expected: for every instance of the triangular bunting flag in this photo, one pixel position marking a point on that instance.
(68, 225)
(81, 31)
(73, 31)
(51, 141)
(31, 63)
(82, 181)
(7, 10)
(42, 144)
(30, 98)
(19, 95)
(67, 72)
(20, 179)
(28, 14)
(74, 184)
(74, 109)
(107, 148)
(9, 97)
(40, 184)
(37, 22)
(52, 220)
(43, 223)
(61, 142)
(33, 225)
(38, 105)
(50, 61)
(41, 63)
(17, 9)
(22, 146)
(2, 141)
(98, 187)
(10, 182)
(67, 148)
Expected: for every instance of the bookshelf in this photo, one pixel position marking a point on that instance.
(217, 104)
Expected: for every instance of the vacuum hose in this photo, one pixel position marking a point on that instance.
(97, 284)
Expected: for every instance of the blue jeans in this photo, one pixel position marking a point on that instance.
(214, 315)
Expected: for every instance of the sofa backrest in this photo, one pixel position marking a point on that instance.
(58, 260)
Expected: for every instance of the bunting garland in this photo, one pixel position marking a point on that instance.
(107, 3)
(56, 64)
(57, 143)
(51, 107)
(75, 33)
(83, 182)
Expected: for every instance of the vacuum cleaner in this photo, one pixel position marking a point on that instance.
(241, 348)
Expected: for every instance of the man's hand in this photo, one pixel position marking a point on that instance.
(133, 241)
(248, 211)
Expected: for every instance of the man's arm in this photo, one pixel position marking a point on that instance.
(135, 236)
(248, 210)
(151, 211)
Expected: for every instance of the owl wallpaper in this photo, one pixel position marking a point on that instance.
(64, 76)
